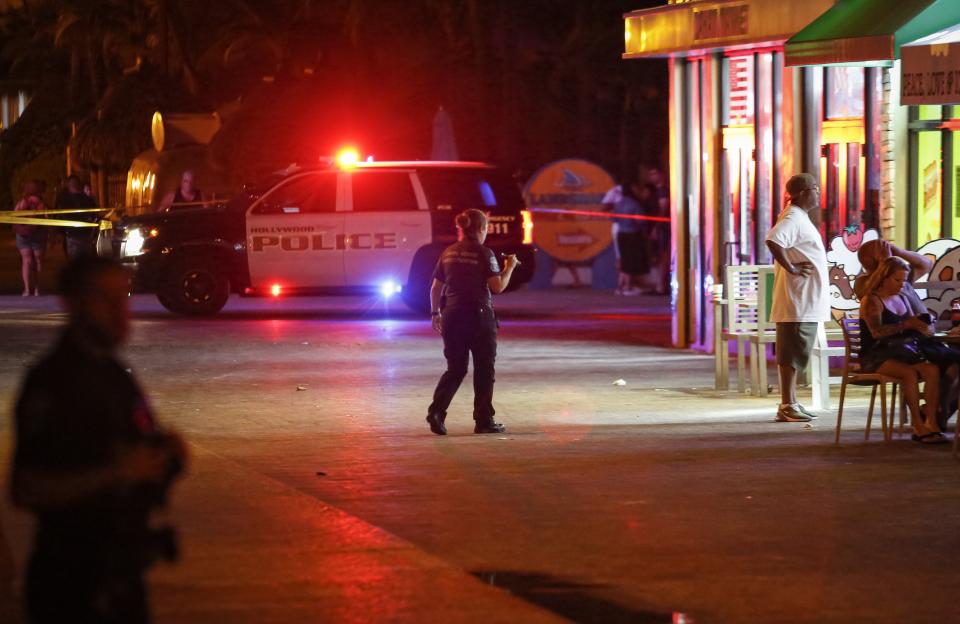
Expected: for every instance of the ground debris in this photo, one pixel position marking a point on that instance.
(301, 388)
(620, 382)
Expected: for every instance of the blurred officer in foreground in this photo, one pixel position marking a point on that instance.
(90, 463)
(465, 275)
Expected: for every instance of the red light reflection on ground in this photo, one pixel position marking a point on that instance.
(644, 318)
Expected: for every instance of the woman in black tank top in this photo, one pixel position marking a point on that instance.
(892, 344)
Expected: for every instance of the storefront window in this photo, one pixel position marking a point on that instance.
(738, 105)
(844, 92)
(739, 167)
(929, 184)
(929, 112)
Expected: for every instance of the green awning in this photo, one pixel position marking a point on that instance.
(868, 32)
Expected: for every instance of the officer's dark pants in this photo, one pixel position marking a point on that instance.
(77, 587)
(468, 330)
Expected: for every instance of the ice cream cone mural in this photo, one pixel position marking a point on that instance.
(945, 253)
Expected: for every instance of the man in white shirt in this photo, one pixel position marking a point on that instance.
(801, 299)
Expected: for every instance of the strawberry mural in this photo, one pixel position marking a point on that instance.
(844, 267)
(853, 237)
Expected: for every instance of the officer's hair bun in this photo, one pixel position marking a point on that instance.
(471, 222)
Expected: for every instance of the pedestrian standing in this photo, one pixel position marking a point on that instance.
(801, 299)
(466, 274)
(90, 463)
(659, 233)
(31, 240)
(78, 241)
(185, 196)
(609, 203)
(630, 242)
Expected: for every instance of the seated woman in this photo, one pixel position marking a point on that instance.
(893, 343)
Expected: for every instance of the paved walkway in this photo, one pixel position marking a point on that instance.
(633, 503)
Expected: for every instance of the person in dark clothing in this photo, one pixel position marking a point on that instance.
(77, 240)
(185, 196)
(91, 463)
(466, 274)
(630, 239)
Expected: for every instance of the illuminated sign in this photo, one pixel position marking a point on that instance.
(723, 22)
(571, 184)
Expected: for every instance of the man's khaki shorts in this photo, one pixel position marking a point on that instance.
(794, 344)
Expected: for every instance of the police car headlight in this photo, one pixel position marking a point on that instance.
(133, 242)
(389, 288)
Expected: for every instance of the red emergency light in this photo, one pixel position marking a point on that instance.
(348, 157)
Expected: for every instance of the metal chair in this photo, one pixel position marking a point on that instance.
(852, 374)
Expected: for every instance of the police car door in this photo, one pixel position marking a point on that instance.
(295, 234)
(386, 223)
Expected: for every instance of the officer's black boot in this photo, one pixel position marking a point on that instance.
(489, 426)
(436, 424)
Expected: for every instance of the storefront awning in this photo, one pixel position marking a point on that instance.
(868, 32)
(700, 26)
(931, 69)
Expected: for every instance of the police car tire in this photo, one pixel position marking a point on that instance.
(417, 298)
(194, 288)
(416, 293)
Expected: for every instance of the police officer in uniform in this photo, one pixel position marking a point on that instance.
(466, 274)
(91, 463)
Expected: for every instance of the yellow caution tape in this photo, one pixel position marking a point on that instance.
(34, 217)
(49, 222)
(50, 212)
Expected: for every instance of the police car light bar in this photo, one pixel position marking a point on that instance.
(348, 157)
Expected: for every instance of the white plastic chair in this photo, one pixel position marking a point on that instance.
(765, 333)
(820, 363)
(741, 308)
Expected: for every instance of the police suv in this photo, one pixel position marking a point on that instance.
(367, 228)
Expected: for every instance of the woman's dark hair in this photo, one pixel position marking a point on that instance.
(470, 222)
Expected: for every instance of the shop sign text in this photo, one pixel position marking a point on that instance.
(726, 22)
(931, 74)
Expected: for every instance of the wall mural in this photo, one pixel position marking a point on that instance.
(945, 253)
(844, 267)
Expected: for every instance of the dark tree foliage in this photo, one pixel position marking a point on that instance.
(524, 82)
